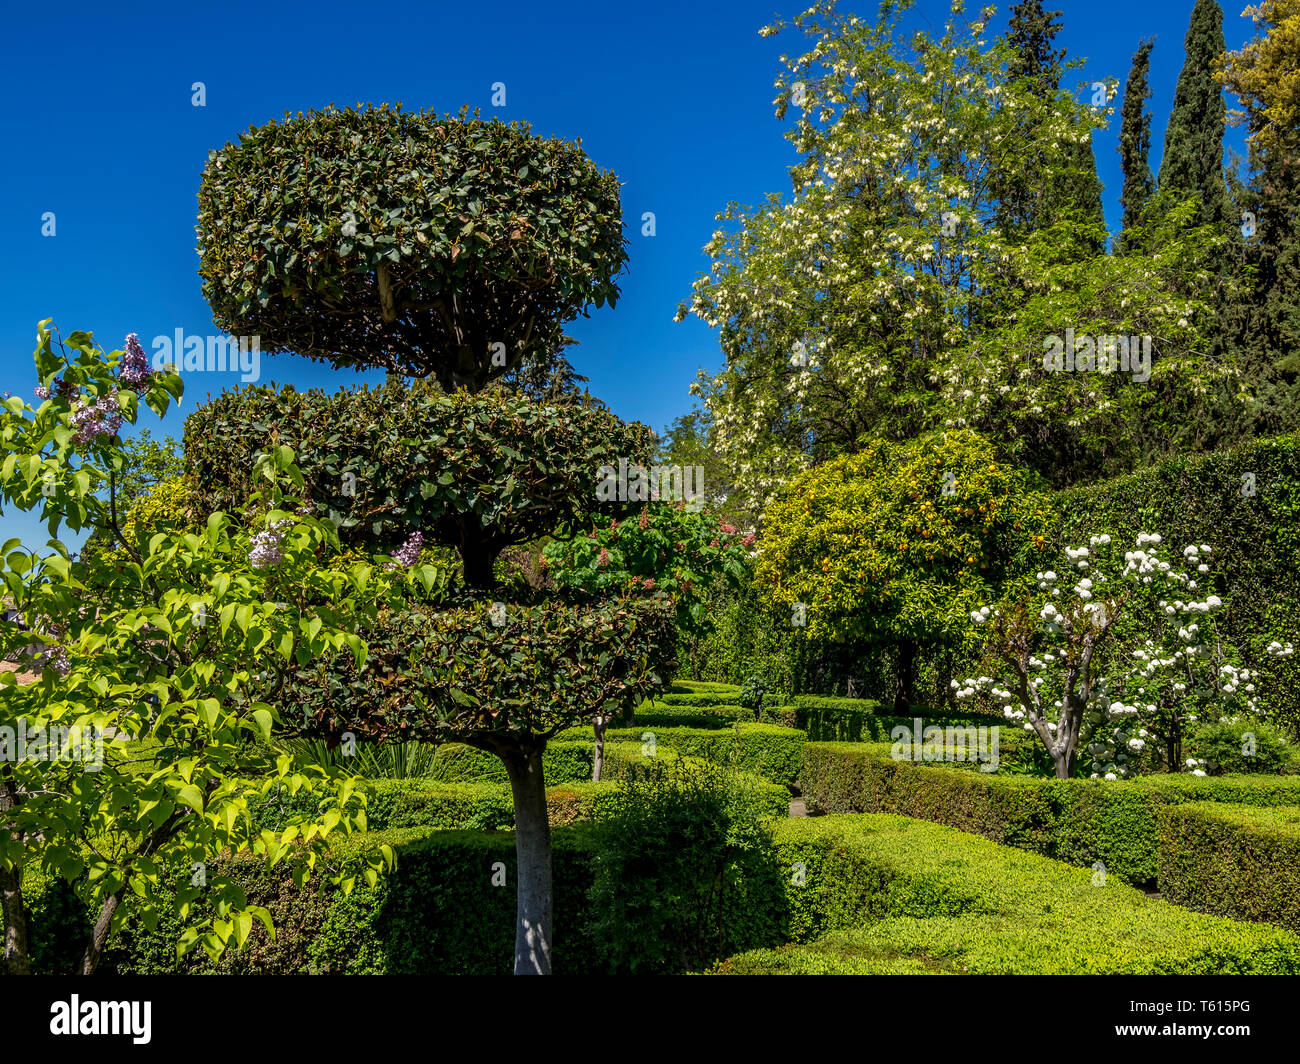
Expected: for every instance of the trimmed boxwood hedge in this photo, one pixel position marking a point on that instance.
(681, 687)
(832, 719)
(726, 697)
(1078, 821)
(766, 750)
(1233, 860)
(888, 895)
(869, 893)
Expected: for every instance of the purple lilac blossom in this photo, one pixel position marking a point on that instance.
(134, 367)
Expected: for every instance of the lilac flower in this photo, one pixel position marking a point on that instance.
(60, 661)
(266, 548)
(409, 552)
(103, 417)
(41, 392)
(134, 368)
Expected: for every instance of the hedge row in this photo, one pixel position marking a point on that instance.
(864, 893)
(1233, 860)
(725, 697)
(1076, 821)
(885, 895)
(766, 750)
(684, 687)
(832, 719)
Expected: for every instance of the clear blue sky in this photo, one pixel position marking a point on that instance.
(675, 97)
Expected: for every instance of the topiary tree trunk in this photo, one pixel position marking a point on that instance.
(533, 916)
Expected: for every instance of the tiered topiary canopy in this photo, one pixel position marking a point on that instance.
(457, 249)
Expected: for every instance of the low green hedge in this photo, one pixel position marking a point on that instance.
(854, 720)
(888, 895)
(685, 687)
(691, 716)
(1234, 860)
(697, 698)
(766, 750)
(861, 893)
(1078, 821)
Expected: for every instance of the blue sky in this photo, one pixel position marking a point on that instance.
(675, 97)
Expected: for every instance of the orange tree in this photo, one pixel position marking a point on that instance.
(896, 544)
(455, 249)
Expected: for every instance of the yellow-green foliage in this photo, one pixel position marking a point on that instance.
(900, 540)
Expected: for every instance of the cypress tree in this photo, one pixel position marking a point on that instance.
(1074, 192)
(1135, 142)
(1192, 163)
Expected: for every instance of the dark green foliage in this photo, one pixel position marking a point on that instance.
(1192, 164)
(454, 675)
(829, 719)
(1135, 142)
(684, 872)
(1232, 860)
(410, 242)
(477, 473)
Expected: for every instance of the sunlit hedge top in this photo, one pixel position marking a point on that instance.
(412, 242)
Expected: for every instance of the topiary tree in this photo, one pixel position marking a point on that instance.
(898, 543)
(412, 242)
(452, 248)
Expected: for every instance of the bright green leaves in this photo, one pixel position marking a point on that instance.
(900, 541)
(168, 676)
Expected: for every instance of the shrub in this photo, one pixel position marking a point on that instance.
(1223, 747)
(683, 872)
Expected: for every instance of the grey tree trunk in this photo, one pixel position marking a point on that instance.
(598, 762)
(99, 937)
(17, 959)
(533, 917)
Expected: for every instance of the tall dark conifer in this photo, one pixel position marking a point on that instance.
(1193, 157)
(1135, 144)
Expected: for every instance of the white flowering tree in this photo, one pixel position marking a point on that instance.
(1073, 668)
(879, 296)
